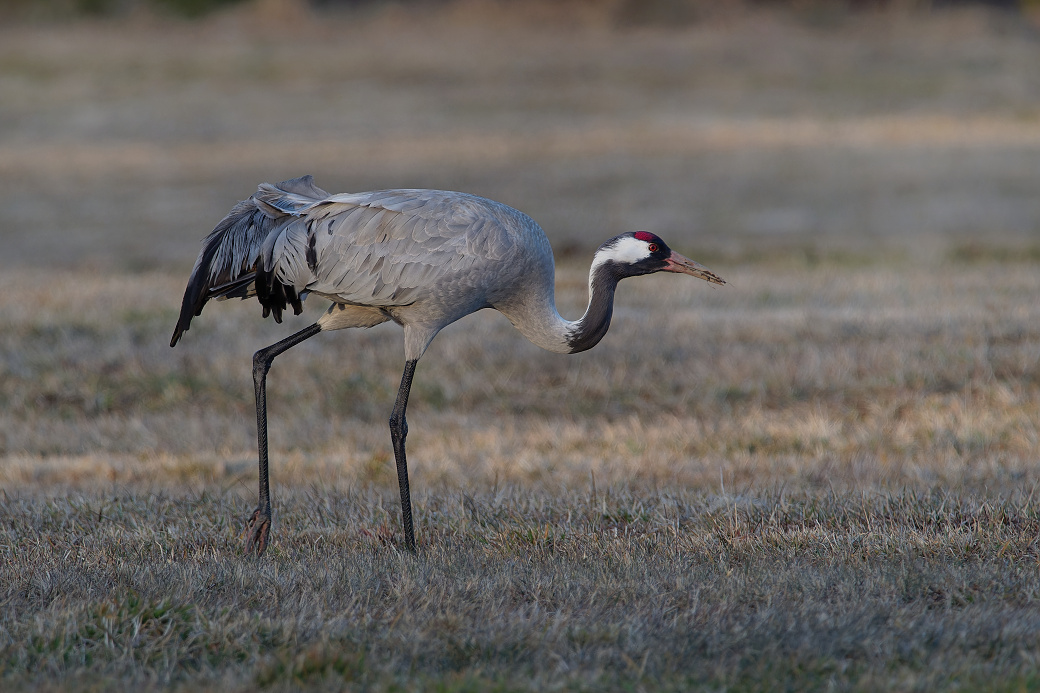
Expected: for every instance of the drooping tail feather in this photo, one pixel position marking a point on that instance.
(229, 267)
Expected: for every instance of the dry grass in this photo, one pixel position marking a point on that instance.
(813, 477)
(820, 476)
(579, 589)
(890, 133)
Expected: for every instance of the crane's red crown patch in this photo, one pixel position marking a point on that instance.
(645, 236)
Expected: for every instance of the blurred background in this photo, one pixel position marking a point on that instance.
(824, 471)
(864, 174)
(859, 129)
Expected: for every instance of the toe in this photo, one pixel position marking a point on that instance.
(258, 528)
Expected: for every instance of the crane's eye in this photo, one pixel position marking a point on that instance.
(652, 247)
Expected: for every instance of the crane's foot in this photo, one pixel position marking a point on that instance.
(258, 529)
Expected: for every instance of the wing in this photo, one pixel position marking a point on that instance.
(384, 248)
(389, 248)
(227, 265)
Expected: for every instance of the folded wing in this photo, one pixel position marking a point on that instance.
(227, 265)
(379, 248)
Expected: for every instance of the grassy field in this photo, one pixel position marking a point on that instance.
(821, 476)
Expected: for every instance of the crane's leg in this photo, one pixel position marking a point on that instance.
(398, 432)
(258, 528)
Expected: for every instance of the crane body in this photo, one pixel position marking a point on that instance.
(420, 258)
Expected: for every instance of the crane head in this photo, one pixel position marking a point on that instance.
(641, 252)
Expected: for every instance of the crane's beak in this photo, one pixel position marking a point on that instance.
(684, 265)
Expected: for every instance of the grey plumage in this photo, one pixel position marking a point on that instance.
(389, 249)
(422, 258)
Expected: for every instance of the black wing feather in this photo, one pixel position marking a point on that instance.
(228, 263)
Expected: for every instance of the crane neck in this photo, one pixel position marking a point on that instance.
(588, 330)
(541, 323)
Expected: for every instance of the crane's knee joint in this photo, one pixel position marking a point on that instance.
(261, 364)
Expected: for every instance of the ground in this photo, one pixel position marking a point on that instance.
(820, 475)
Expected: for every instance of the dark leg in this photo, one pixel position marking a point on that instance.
(259, 526)
(398, 432)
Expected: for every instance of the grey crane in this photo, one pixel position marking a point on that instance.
(422, 258)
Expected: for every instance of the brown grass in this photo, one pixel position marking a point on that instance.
(614, 588)
(820, 476)
(807, 477)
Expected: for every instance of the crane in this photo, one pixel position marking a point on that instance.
(421, 258)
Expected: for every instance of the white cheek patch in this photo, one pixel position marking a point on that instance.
(626, 251)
